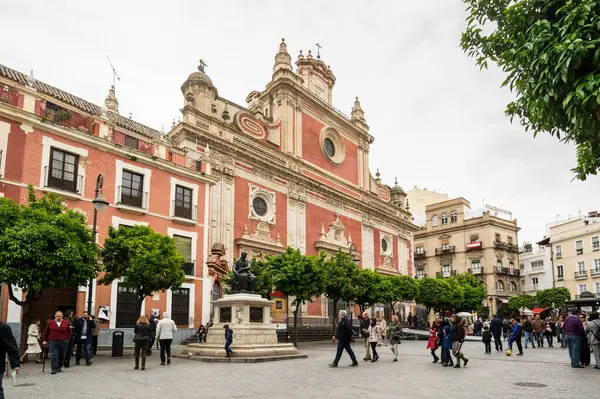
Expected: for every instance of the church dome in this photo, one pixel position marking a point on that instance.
(200, 75)
(397, 189)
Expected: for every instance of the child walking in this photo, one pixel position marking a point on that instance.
(447, 345)
(432, 342)
(228, 340)
(487, 338)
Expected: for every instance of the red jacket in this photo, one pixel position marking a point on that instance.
(432, 342)
(52, 332)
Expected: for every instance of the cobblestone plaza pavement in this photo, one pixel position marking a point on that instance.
(412, 376)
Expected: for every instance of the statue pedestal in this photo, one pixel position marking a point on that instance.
(254, 336)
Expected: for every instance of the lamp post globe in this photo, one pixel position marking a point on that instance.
(100, 203)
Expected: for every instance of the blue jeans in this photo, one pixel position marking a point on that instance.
(529, 337)
(227, 349)
(85, 345)
(58, 350)
(574, 344)
(539, 337)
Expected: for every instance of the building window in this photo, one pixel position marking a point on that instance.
(558, 254)
(453, 217)
(198, 166)
(131, 142)
(131, 189)
(184, 245)
(474, 237)
(509, 240)
(444, 218)
(420, 250)
(511, 265)
(581, 267)
(384, 245)
(597, 265)
(537, 265)
(183, 202)
(579, 247)
(445, 246)
(512, 286)
(534, 283)
(500, 285)
(522, 266)
(420, 273)
(446, 270)
(596, 243)
(180, 306)
(597, 287)
(259, 206)
(329, 147)
(560, 272)
(63, 171)
(497, 237)
(499, 265)
(581, 288)
(434, 221)
(476, 266)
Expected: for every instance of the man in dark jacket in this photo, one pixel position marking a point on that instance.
(528, 329)
(496, 330)
(151, 335)
(84, 327)
(8, 344)
(343, 333)
(363, 333)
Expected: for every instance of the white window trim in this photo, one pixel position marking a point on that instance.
(147, 173)
(191, 234)
(117, 221)
(558, 250)
(270, 198)
(191, 186)
(113, 304)
(592, 243)
(577, 266)
(47, 144)
(434, 220)
(4, 132)
(576, 241)
(444, 217)
(594, 264)
(192, 306)
(390, 244)
(579, 291)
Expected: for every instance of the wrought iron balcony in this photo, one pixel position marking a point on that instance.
(560, 277)
(9, 95)
(595, 272)
(188, 268)
(476, 271)
(512, 247)
(445, 250)
(62, 180)
(184, 210)
(500, 245)
(514, 272)
(502, 270)
(418, 255)
(581, 274)
(133, 198)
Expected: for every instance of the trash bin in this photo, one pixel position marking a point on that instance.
(118, 339)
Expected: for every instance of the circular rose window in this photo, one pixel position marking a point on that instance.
(260, 206)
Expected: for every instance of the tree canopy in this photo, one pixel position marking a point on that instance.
(398, 288)
(339, 272)
(553, 297)
(367, 288)
(550, 51)
(434, 293)
(145, 261)
(472, 293)
(520, 302)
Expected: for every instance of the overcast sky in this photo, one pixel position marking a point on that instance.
(438, 121)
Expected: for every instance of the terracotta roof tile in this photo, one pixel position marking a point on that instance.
(82, 104)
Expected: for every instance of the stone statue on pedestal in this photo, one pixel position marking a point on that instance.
(243, 280)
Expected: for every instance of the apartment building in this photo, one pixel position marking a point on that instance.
(419, 198)
(456, 240)
(576, 254)
(536, 267)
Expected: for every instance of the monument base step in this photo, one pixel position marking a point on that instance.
(240, 350)
(234, 359)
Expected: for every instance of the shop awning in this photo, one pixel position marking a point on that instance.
(538, 310)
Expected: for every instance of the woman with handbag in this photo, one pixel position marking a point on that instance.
(550, 331)
(141, 340)
(395, 333)
(33, 341)
(374, 338)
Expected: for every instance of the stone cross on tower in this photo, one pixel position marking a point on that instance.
(201, 65)
(319, 47)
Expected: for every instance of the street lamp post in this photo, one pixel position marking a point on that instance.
(100, 205)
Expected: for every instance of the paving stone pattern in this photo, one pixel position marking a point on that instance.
(412, 376)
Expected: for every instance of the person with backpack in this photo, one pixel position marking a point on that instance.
(228, 340)
(458, 337)
(593, 334)
(516, 336)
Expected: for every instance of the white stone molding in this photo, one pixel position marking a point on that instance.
(368, 248)
(49, 143)
(269, 197)
(194, 236)
(192, 302)
(260, 240)
(4, 132)
(335, 238)
(145, 172)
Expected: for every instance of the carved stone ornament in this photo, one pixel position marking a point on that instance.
(499, 254)
(335, 238)
(420, 262)
(475, 254)
(446, 259)
(511, 257)
(260, 241)
(444, 237)
(239, 314)
(386, 263)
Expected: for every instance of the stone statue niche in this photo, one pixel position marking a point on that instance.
(243, 280)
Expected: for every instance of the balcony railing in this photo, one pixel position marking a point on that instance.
(188, 268)
(474, 245)
(418, 255)
(502, 270)
(9, 96)
(133, 198)
(476, 271)
(581, 274)
(420, 276)
(445, 250)
(184, 210)
(446, 274)
(514, 272)
(61, 180)
(57, 114)
(595, 272)
(499, 245)
(512, 247)
(558, 256)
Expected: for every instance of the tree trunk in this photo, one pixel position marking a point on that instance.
(333, 314)
(25, 322)
(296, 324)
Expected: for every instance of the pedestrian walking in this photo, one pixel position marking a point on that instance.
(33, 342)
(458, 337)
(574, 332)
(593, 336)
(164, 333)
(95, 333)
(8, 346)
(507, 328)
(383, 327)
(432, 342)
(560, 328)
(228, 340)
(84, 327)
(516, 336)
(394, 335)
(447, 346)
(528, 330)
(549, 331)
(538, 330)
(141, 339)
(57, 334)
(487, 338)
(364, 324)
(152, 322)
(585, 347)
(496, 330)
(70, 318)
(374, 338)
(343, 334)
(478, 327)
